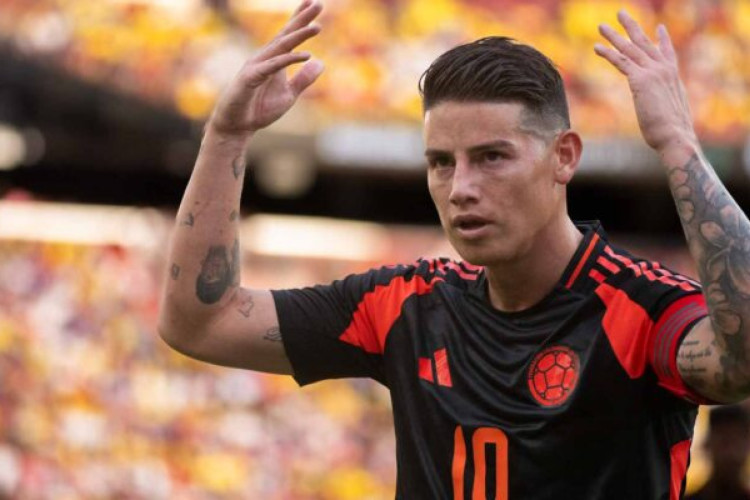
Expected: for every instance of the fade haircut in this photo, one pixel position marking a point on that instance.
(499, 69)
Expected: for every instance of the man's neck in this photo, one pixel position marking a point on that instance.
(520, 284)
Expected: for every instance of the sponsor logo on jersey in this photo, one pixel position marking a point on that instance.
(553, 375)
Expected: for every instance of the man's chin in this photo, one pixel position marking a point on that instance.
(475, 254)
(482, 255)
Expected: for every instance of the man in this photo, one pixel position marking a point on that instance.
(728, 445)
(554, 365)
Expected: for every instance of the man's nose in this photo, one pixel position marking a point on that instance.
(464, 185)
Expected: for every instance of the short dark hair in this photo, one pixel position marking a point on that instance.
(498, 69)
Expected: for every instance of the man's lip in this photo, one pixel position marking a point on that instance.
(470, 226)
(462, 220)
(473, 232)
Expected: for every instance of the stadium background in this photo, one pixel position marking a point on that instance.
(101, 109)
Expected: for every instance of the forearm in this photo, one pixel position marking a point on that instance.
(204, 257)
(718, 236)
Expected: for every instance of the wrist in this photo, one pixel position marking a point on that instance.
(223, 136)
(678, 151)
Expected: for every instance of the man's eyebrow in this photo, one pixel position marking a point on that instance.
(499, 144)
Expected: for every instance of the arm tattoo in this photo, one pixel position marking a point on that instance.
(233, 216)
(236, 264)
(215, 276)
(690, 357)
(175, 271)
(220, 270)
(273, 334)
(245, 303)
(238, 166)
(718, 234)
(189, 220)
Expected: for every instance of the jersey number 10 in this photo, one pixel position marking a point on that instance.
(481, 437)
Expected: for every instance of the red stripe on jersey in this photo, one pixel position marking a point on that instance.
(583, 260)
(678, 277)
(596, 276)
(379, 309)
(647, 269)
(628, 263)
(678, 461)
(627, 325)
(666, 341)
(608, 264)
(425, 369)
(470, 273)
(663, 278)
(441, 367)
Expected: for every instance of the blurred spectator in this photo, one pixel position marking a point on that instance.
(93, 405)
(727, 445)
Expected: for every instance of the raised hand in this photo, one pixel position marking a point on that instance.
(261, 92)
(660, 100)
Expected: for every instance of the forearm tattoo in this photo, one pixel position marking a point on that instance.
(244, 301)
(175, 271)
(235, 268)
(189, 220)
(273, 334)
(238, 166)
(718, 234)
(219, 271)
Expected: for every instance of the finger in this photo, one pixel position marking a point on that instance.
(306, 76)
(626, 47)
(637, 35)
(302, 6)
(620, 61)
(303, 17)
(665, 44)
(261, 72)
(287, 43)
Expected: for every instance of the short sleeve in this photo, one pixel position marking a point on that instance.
(340, 330)
(675, 319)
(648, 313)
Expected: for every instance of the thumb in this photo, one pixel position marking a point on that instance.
(306, 76)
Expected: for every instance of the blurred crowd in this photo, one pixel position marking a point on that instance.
(93, 404)
(180, 53)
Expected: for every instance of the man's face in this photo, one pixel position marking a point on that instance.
(492, 179)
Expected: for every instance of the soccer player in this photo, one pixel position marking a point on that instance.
(549, 364)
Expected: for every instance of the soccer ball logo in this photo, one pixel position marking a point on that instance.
(553, 375)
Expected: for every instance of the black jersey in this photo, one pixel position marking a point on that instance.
(577, 397)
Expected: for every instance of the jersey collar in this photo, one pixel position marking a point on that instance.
(580, 275)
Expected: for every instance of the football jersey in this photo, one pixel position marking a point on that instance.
(577, 397)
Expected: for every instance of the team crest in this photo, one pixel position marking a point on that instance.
(553, 375)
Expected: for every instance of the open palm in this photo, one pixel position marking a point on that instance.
(659, 96)
(261, 92)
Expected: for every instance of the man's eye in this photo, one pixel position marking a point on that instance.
(492, 156)
(440, 162)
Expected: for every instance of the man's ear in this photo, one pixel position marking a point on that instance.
(568, 150)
